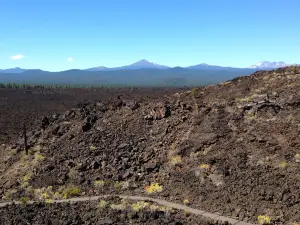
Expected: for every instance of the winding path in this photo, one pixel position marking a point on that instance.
(140, 198)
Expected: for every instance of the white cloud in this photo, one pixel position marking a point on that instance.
(16, 57)
(70, 59)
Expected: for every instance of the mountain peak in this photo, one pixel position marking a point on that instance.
(145, 61)
(13, 70)
(146, 64)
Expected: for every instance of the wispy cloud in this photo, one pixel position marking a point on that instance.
(70, 59)
(16, 57)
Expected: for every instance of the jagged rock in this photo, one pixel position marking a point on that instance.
(55, 116)
(123, 145)
(127, 175)
(132, 105)
(45, 122)
(88, 123)
(158, 112)
(95, 165)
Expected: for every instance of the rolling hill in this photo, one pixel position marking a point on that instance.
(141, 77)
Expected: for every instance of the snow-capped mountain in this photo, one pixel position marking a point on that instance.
(144, 64)
(269, 65)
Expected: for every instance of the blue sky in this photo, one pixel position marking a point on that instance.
(170, 32)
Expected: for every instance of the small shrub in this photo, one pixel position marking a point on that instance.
(154, 207)
(73, 174)
(164, 209)
(186, 213)
(121, 185)
(57, 195)
(264, 220)
(297, 157)
(175, 160)
(45, 195)
(48, 200)
(38, 157)
(121, 206)
(154, 188)
(92, 148)
(139, 206)
(24, 200)
(186, 202)
(27, 177)
(99, 183)
(204, 166)
(246, 99)
(283, 164)
(194, 91)
(9, 194)
(102, 204)
(24, 184)
(29, 190)
(49, 188)
(251, 115)
(70, 192)
(117, 185)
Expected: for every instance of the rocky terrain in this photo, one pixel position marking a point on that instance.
(231, 149)
(18, 106)
(106, 212)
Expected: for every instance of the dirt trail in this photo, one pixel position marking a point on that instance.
(158, 201)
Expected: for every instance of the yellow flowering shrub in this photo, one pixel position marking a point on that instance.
(297, 157)
(204, 166)
(99, 183)
(70, 192)
(102, 204)
(154, 188)
(264, 220)
(24, 200)
(186, 202)
(283, 164)
(38, 156)
(48, 200)
(57, 195)
(121, 185)
(27, 177)
(121, 206)
(139, 206)
(175, 160)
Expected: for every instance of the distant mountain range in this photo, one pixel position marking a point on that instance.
(146, 64)
(141, 73)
